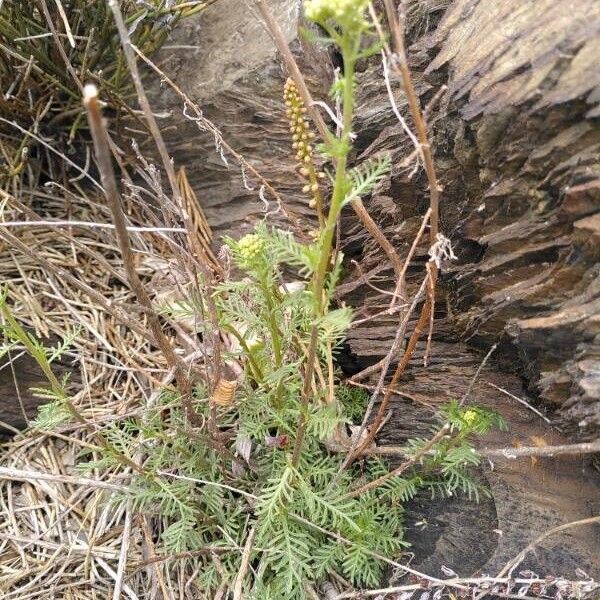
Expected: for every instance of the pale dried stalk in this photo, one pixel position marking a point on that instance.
(126, 537)
(27, 475)
(401, 367)
(477, 374)
(111, 192)
(143, 99)
(512, 564)
(508, 453)
(471, 584)
(521, 401)
(549, 451)
(358, 445)
(244, 564)
(292, 66)
(172, 178)
(152, 555)
(400, 290)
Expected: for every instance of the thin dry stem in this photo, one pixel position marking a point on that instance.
(413, 460)
(510, 566)
(547, 451)
(244, 564)
(399, 63)
(103, 157)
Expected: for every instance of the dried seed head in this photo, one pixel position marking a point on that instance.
(224, 392)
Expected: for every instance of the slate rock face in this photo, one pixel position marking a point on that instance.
(517, 146)
(226, 62)
(524, 80)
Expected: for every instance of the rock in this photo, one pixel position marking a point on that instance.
(233, 73)
(18, 405)
(530, 496)
(517, 147)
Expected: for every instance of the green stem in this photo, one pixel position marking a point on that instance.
(348, 49)
(274, 330)
(256, 370)
(339, 188)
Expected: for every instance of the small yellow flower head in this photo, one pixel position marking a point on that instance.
(470, 416)
(250, 248)
(345, 12)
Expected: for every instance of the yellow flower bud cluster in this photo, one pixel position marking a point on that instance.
(250, 248)
(470, 416)
(301, 134)
(301, 137)
(343, 11)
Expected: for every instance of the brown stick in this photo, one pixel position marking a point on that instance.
(400, 65)
(358, 446)
(111, 193)
(401, 285)
(376, 233)
(410, 348)
(170, 170)
(403, 467)
(292, 66)
(152, 551)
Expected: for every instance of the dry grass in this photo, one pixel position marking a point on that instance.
(48, 50)
(60, 533)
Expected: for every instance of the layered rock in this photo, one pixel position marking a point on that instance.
(517, 146)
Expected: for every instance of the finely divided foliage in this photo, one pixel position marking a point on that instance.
(271, 462)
